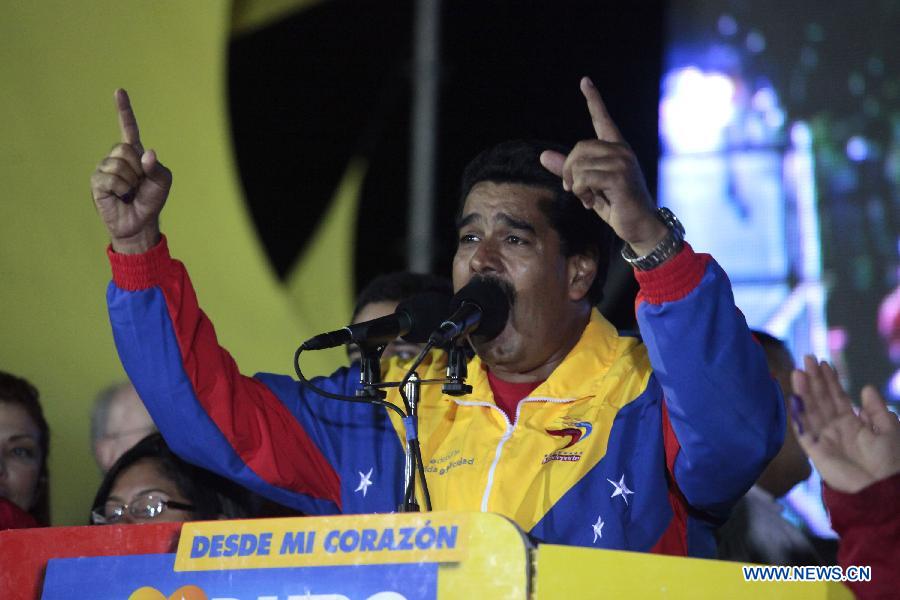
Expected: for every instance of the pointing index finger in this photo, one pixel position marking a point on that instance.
(127, 121)
(604, 126)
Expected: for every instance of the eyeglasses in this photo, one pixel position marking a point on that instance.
(142, 508)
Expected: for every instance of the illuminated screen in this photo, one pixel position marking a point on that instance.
(780, 136)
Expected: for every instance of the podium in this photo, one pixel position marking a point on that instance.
(368, 557)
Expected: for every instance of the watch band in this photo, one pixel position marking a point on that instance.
(667, 247)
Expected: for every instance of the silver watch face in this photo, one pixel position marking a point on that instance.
(669, 218)
(667, 247)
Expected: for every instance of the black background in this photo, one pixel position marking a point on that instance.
(333, 81)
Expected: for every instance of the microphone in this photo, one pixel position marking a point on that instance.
(413, 320)
(480, 306)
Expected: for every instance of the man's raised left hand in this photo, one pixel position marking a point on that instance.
(604, 174)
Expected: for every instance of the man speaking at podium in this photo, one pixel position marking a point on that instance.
(579, 435)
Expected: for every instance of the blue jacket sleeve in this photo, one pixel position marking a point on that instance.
(267, 432)
(724, 406)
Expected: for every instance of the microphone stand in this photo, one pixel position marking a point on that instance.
(457, 372)
(372, 390)
(370, 371)
(411, 424)
(370, 386)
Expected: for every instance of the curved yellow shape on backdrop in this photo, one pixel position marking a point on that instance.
(59, 64)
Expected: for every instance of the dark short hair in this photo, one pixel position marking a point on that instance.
(580, 231)
(17, 391)
(399, 286)
(211, 495)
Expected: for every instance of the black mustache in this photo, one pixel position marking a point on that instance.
(508, 290)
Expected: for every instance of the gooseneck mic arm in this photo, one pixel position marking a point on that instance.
(413, 320)
(383, 329)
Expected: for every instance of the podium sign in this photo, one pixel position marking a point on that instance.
(370, 557)
(366, 557)
(370, 539)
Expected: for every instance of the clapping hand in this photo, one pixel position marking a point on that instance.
(850, 450)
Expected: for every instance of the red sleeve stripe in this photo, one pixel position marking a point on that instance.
(674, 279)
(673, 541)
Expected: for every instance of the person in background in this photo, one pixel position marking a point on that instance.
(858, 456)
(118, 422)
(24, 447)
(151, 484)
(756, 532)
(382, 295)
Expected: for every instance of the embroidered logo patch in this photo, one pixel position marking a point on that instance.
(575, 431)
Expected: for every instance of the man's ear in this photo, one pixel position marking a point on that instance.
(581, 269)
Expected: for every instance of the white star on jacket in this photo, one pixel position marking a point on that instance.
(598, 529)
(365, 480)
(620, 489)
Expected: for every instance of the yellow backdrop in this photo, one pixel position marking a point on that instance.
(59, 64)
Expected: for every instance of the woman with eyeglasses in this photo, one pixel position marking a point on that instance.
(24, 444)
(150, 484)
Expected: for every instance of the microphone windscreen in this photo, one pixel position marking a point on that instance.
(426, 313)
(489, 296)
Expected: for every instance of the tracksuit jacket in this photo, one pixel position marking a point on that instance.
(627, 445)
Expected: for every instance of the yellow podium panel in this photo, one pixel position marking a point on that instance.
(480, 555)
(571, 572)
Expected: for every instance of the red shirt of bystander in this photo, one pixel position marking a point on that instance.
(13, 517)
(868, 523)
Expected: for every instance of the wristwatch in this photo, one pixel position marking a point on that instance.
(668, 247)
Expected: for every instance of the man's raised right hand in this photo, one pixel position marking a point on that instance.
(130, 187)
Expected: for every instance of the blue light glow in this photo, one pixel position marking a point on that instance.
(695, 110)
